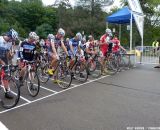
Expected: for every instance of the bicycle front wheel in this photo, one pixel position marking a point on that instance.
(15, 91)
(43, 74)
(33, 83)
(81, 72)
(64, 77)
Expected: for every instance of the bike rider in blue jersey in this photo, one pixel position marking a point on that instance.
(27, 52)
(75, 48)
(75, 44)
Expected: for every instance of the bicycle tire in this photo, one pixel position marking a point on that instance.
(80, 72)
(33, 85)
(15, 90)
(64, 76)
(42, 73)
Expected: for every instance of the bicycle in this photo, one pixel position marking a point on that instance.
(61, 72)
(30, 77)
(94, 66)
(79, 69)
(7, 80)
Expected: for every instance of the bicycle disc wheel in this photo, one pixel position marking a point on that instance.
(33, 84)
(15, 91)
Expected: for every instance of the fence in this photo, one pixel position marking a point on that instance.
(147, 55)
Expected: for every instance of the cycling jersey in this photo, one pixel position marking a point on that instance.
(82, 46)
(4, 49)
(104, 47)
(48, 45)
(107, 46)
(38, 47)
(75, 43)
(27, 50)
(90, 46)
(57, 42)
(116, 45)
(67, 45)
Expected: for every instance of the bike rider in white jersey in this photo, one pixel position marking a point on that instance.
(6, 42)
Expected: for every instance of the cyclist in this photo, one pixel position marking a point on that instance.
(117, 46)
(75, 49)
(51, 49)
(105, 47)
(75, 46)
(90, 46)
(55, 50)
(27, 52)
(5, 47)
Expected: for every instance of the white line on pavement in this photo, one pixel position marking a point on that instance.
(53, 94)
(2, 126)
(48, 89)
(25, 99)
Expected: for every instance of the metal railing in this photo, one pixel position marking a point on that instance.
(147, 55)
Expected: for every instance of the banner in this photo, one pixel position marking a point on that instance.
(135, 6)
(137, 14)
(139, 19)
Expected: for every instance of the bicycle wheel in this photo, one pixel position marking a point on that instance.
(14, 89)
(42, 73)
(64, 77)
(111, 66)
(80, 72)
(94, 68)
(33, 83)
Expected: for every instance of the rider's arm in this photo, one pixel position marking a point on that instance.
(71, 47)
(121, 47)
(21, 49)
(79, 47)
(53, 48)
(64, 48)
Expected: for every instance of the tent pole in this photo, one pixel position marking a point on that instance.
(106, 24)
(131, 32)
(120, 32)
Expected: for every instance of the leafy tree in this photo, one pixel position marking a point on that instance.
(43, 30)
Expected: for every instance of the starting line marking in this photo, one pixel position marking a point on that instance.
(2, 126)
(53, 94)
(48, 89)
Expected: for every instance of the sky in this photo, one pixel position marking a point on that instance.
(50, 2)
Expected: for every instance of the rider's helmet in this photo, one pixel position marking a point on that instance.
(79, 36)
(13, 34)
(50, 36)
(61, 32)
(33, 35)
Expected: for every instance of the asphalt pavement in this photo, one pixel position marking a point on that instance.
(128, 100)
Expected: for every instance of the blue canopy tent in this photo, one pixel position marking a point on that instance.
(122, 16)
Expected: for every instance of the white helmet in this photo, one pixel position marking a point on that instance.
(79, 35)
(13, 34)
(61, 31)
(33, 35)
(50, 36)
(37, 38)
(108, 30)
(42, 42)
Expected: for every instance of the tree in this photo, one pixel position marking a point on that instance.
(43, 30)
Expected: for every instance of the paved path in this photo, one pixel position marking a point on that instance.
(127, 99)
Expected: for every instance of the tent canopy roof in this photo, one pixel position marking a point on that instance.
(122, 16)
